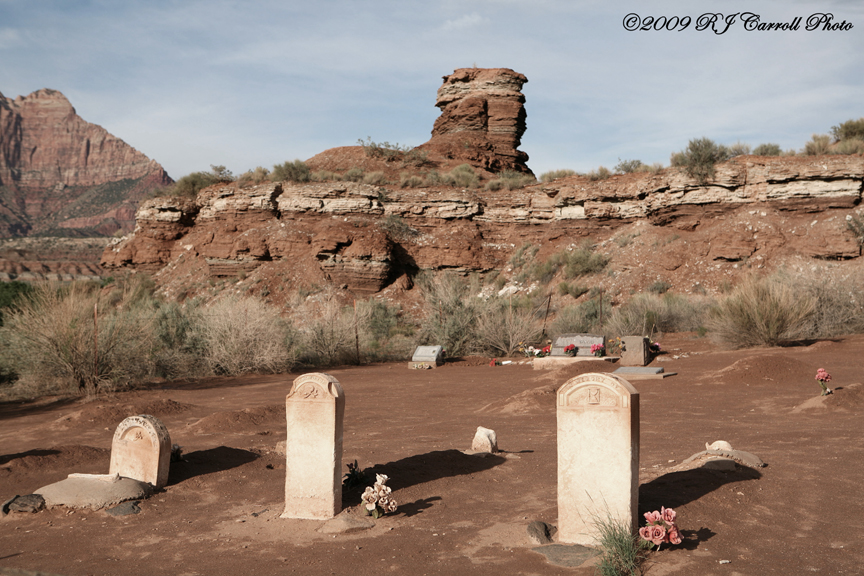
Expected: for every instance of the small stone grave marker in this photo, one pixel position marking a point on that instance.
(141, 450)
(636, 351)
(582, 341)
(598, 456)
(427, 357)
(314, 411)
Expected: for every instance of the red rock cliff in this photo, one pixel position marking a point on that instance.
(59, 171)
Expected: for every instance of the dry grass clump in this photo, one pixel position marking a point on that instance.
(648, 314)
(555, 174)
(510, 180)
(503, 327)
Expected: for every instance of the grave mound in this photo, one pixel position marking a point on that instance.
(246, 420)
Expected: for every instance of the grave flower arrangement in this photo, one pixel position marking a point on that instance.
(661, 527)
(654, 347)
(377, 498)
(823, 378)
(616, 346)
(598, 350)
(571, 350)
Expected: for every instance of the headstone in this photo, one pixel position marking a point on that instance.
(582, 341)
(598, 456)
(427, 357)
(636, 351)
(314, 410)
(485, 440)
(141, 450)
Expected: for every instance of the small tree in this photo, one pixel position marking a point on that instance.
(699, 158)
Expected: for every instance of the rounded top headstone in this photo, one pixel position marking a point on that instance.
(596, 390)
(315, 386)
(141, 450)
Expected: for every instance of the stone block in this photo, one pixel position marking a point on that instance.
(427, 357)
(636, 351)
(141, 450)
(598, 455)
(314, 411)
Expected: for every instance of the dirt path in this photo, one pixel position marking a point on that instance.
(458, 514)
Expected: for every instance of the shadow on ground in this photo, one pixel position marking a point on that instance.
(203, 462)
(678, 488)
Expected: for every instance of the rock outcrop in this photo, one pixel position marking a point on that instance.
(364, 237)
(482, 119)
(58, 171)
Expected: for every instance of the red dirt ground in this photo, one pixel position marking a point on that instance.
(458, 514)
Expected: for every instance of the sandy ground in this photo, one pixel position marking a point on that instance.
(458, 514)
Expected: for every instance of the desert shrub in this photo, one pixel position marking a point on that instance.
(10, 293)
(354, 175)
(838, 297)
(510, 180)
(625, 239)
(850, 146)
(324, 176)
(244, 334)
(699, 158)
(503, 327)
(572, 289)
(630, 166)
(523, 255)
(54, 337)
(602, 173)
(383, 150)
(767, 150)
(583, 261)
(407, 180)
(659, 287)
(329, 333)
(181, 349)
(819, 144)
(375, 178)
(415, 157)
(395, 227)
(584, 317)
(296, 171)
(738, 149)
(555, 174)
(855, 224)
(451, 312)
(647, 314)
(435, 178)
(257, 176)
(851, 129)
(464, 176)
(761, 312)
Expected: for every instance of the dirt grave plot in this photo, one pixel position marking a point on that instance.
(459, 513)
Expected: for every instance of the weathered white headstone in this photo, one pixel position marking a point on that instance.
(427, 357)
(598, 455)
(141, 450)
(635, 352)
(314, 410)
(485, 440)
(582, 341)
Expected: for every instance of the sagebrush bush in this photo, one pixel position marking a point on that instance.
(395, 227)
(407, 180)
(584, 317)
(324, 176)
(375, 178)
(602, 173)
(631, 166)
(761, 312)
(849, 130)
(818, 145)
(648, 314)
(257, 176)
(503, 328)
(354, 175)
(244, 334)
(451, 312)
(699, 158)
(329, 334)
(555, 174)
(188, 186)
(510, 180)
(767, 150)
(296, 171)
(464, 176)
(53, 336)
(850, 146)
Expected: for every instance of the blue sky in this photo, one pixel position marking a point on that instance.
(199, 82)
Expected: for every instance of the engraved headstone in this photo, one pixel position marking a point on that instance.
(314, 410)
(141, 450)
(598, 456)
(427, 357)
(582, 341)
(636, 351)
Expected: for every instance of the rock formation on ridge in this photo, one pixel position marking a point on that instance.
(482, 119)
(61, 175)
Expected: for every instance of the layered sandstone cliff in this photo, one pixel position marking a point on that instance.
(482, 119)
(365, 238)
(59, 171)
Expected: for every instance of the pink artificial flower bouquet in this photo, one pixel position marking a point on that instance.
(661, 527)
(823, 377)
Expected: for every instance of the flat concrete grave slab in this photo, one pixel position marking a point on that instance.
(582, 341)
(94, 491)
(643, 373)
(427, 357)
(551, 362)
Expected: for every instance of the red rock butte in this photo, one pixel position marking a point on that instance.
(482, 119)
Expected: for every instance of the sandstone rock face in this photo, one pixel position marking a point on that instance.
(482, 119)
(364, 238)
(59, 171)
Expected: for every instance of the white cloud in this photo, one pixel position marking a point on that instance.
(9, 37)
(463, 22)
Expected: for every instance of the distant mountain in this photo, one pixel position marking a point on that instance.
(63, 176)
